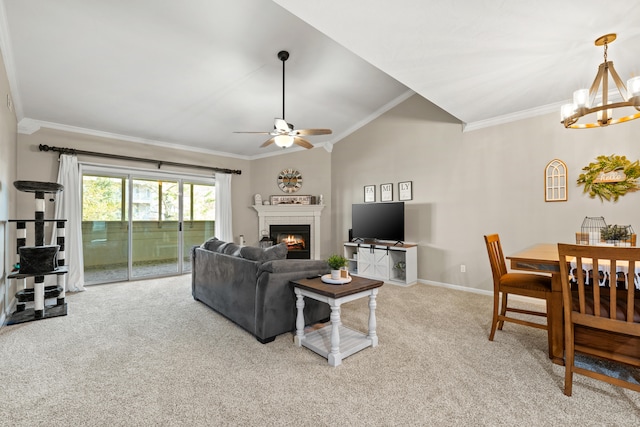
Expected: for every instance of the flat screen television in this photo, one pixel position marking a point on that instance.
(378, 221)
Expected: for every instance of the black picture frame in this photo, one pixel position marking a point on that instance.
(369, 193)
(405, 190)
(386, 192)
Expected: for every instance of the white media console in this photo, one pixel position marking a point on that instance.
(397, 264)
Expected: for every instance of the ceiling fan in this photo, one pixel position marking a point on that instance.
(284, 134)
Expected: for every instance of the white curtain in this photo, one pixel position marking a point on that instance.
(69, 207)
(223, 227)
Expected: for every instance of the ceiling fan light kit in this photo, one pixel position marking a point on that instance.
(283, 141)
(284, 134)
(584, 100)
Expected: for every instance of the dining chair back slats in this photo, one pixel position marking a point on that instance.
(607, 309)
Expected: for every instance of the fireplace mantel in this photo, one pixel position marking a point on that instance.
(292, 214)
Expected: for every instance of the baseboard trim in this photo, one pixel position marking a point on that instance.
(527, 300)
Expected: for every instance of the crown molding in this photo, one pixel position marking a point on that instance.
(513, 117)
(380, 111)
(28, 126)
(613, 95)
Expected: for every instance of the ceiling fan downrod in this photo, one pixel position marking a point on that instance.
(283, 55)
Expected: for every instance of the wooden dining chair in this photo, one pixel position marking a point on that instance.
(524, 284)
(600, 321)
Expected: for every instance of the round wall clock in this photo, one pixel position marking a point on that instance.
(289, 180)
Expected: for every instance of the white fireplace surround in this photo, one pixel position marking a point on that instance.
(292, 214)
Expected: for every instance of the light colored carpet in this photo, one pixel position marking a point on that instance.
(145, 354)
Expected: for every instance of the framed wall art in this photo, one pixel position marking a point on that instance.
(405, 190)
(555, 177)
(369, 193)
(386, 192)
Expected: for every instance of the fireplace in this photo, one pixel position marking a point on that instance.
(269, 215)
(296, 236)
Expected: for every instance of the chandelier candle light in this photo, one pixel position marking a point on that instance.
(584, 100)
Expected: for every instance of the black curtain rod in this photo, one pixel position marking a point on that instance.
(73, 151)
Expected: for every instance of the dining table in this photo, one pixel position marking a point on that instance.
(543, 258)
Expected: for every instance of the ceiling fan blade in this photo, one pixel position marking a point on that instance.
(302, 142)
(312, 131)
(268, 142)
(261, 133)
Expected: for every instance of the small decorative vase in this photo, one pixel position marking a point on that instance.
(335, 274)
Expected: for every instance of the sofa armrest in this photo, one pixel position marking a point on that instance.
(293, 265)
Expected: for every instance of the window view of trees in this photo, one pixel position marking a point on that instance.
(199, 202)
(103, 198)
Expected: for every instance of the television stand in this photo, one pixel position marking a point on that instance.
(395, 263)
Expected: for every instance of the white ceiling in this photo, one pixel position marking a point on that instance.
(191, 72)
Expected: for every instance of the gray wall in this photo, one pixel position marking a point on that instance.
(8, 137)
(467, 184)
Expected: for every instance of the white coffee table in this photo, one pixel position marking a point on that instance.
(336, 341)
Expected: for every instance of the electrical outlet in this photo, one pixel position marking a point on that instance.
(463, 268)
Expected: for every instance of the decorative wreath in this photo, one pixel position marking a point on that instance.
(610, 190)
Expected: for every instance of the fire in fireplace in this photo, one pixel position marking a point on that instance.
(296, 237)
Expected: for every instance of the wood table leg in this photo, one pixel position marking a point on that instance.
(555, 319)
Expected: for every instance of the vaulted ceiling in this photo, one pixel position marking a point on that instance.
(190, 73)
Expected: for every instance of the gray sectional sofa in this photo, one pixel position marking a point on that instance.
(250, 286)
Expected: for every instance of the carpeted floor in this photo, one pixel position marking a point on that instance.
(146, 354)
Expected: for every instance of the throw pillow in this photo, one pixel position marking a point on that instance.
(231, 249)
(251, 253)
(278, 251)
(212, 244)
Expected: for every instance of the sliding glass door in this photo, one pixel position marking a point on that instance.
(105, 228)
(155, 220)
(138, 226)
(198, 219)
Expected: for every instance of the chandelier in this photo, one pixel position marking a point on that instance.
(584, 100)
